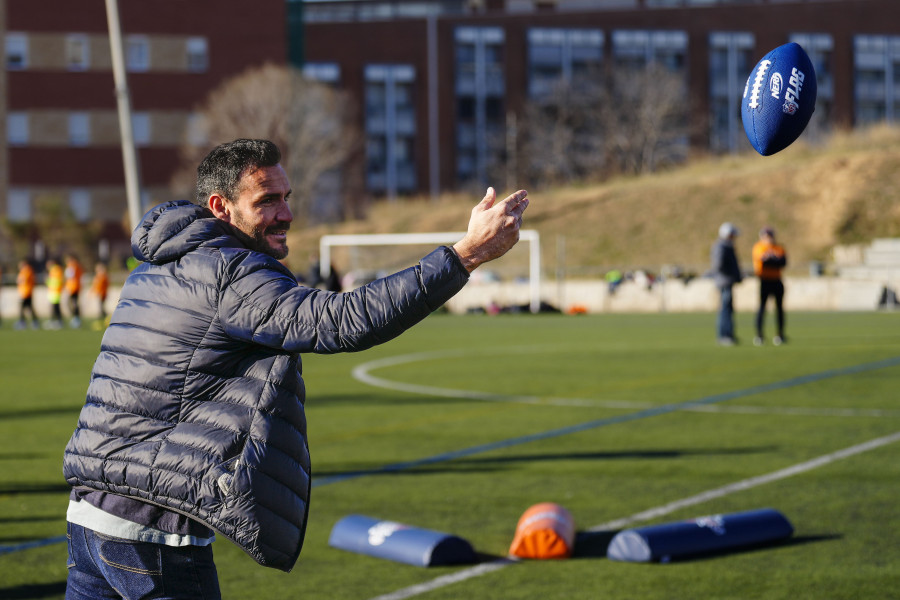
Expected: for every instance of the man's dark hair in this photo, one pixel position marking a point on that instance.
(220, 172)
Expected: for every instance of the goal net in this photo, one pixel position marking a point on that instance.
(362, 257)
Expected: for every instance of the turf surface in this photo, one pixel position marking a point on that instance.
(607, 415)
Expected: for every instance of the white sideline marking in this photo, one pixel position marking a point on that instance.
(445, 580)
(362, 373)
(746, 484)
(652, 513)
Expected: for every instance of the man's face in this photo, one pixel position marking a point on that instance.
(261, 212)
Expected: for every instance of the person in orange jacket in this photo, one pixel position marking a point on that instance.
(25, 286)
(769, 258)
(74, 273)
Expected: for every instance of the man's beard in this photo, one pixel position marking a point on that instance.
(256, 240)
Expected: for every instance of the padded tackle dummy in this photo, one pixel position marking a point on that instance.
(399, 542)
(703, 535)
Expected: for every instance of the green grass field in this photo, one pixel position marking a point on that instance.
(597, 397)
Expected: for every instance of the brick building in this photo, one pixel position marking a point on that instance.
(438, 79)
(60, 143)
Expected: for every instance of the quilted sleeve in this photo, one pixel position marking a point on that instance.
(260, 305)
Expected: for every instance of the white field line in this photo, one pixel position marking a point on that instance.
(363, 374)
(653, 513)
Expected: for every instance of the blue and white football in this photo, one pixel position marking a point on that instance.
(779, 99)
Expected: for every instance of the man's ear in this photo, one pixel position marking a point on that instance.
(220, 207)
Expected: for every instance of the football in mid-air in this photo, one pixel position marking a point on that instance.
(779, 99)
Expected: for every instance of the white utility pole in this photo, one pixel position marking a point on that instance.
(123, 100)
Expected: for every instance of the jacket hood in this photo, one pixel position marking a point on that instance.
(171, 230)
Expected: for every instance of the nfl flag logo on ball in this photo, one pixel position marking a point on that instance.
(779, 99)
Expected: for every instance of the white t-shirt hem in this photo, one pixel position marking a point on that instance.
(87, 515)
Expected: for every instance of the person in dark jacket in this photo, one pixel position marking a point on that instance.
(194, 419)
(726, 273)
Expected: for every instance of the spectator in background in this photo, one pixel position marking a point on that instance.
(726, 272)
(55, 281)
(100, 287)
(614, 279)
(74, 273)
(769, 258)
(25, 286)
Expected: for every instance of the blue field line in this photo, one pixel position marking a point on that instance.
(642, 414)
(534, 437)
(30, 545)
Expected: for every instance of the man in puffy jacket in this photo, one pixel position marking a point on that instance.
(194, 417)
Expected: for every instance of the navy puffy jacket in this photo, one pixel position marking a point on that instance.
(196, 400)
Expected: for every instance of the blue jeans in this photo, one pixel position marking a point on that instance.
(725, 323)
(104, 567)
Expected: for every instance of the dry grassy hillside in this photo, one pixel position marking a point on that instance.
(845, 192)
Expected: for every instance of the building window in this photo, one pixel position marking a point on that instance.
(197, 55)
(196, 130)
(480, 98)
(390, 129)
(556, 55)
(16, 51)
(329, 73)
(137, 53)
(79, 129)
(140, 128)
(17, 128)
(78, 52)
(638, 48)
(820, 49)
(80, 204)
(730, 62)
(18, 206)
(876, 63)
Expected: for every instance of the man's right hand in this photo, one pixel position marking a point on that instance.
(493, 228)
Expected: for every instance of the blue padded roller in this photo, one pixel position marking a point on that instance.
(704, 535)
(399, 542)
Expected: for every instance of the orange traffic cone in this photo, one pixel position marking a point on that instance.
(545, 530)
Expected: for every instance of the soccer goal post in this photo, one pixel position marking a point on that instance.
(531, 236)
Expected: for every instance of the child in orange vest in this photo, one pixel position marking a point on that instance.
(100, 287)
(25, 286)
(74, 273)
(55, 281)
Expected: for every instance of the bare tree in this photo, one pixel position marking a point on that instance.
(56, 227)
(312, 124)
(562, 140)
(634, 120)
(644, 117)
